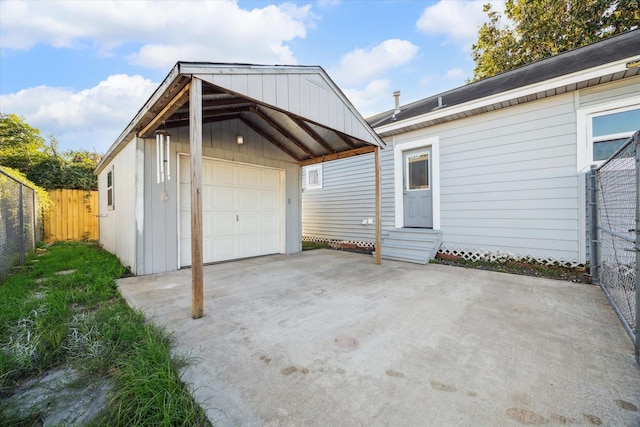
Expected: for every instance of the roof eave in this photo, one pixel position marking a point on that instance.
(472, 107)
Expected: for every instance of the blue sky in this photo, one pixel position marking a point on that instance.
(80, 70)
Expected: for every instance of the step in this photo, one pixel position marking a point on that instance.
(394, 256)
(408, 252)
(415, 235)
(414, 244)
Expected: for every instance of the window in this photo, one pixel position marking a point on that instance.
(110, 200)
(418, 171)
(314, 177)
(610, 130)
(602, 129)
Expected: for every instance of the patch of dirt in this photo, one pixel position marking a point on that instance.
(57, 397)
(575, 275)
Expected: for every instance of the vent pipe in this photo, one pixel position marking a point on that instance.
(396, 95)
(439, 102)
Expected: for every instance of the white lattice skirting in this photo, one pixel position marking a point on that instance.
(502, 257)
(338, 244)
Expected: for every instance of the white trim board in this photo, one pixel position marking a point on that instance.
(398, 153)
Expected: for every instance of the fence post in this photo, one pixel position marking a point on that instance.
(636, 142)
(593, 226)
(21, 225)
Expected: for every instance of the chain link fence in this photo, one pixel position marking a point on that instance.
(614, 190)
(20, 222)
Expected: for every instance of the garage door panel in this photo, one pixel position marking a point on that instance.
(268, 243)
(270, 223)
(269, 201)
(270, 180)
(221, 174)
(248, 200)
(242, 211)
(221, 198)
(185, 224)
(223, 224)
(249, 223)
(248, 177)
(185, 196)
(223, 248)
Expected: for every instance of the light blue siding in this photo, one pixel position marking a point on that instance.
(347, 196)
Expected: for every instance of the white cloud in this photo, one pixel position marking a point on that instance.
(455, 73)
(362, 65)
(460, 20)
(162, 32)
(89, 119)
(373, 99)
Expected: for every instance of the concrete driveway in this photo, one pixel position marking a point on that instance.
(328, 338)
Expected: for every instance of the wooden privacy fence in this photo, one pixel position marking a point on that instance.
(73, 216)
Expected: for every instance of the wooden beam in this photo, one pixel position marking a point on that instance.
(305, 127)
(173, 106)
(376, 157)
(346, 139)
(284, 132)
(195, 148)
(342, 155)
(269, 138)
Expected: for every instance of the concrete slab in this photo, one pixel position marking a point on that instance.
(328, 338)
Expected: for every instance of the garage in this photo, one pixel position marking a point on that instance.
(242, 210)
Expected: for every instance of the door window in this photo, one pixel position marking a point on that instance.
(418, 171)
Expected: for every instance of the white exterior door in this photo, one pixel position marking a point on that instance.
(418, 198)
(242, 210)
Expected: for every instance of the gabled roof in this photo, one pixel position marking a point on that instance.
(299, 109)
(590, 65)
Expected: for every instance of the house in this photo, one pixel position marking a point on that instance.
(492, 170)
(209, 169)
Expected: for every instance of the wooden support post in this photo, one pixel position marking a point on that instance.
(376, 156)
(195, 146)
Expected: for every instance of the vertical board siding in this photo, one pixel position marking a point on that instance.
(118, 226)
(73, 216)
(347, 196)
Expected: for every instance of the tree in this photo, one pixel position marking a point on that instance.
(24, 149)
(543, 28)
(21, 146)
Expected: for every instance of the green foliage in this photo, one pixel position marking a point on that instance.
(543, 28)
(44, 201)
(21, 146)
(24, 149)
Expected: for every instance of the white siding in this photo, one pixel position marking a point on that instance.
(347, 196)
(508, 181)
(117, 226)
(219, 141)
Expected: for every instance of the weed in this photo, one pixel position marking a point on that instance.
(81, 321)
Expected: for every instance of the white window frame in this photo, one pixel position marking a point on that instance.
(308, 172)
(110, 189)
(584, 120)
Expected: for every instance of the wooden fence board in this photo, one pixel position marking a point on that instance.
(73, 216)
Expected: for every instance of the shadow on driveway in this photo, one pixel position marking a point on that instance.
(328, 338)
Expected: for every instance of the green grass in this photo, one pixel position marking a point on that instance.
(80, 320)
(308, 246)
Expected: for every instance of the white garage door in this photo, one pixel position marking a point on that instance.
(242, 210)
